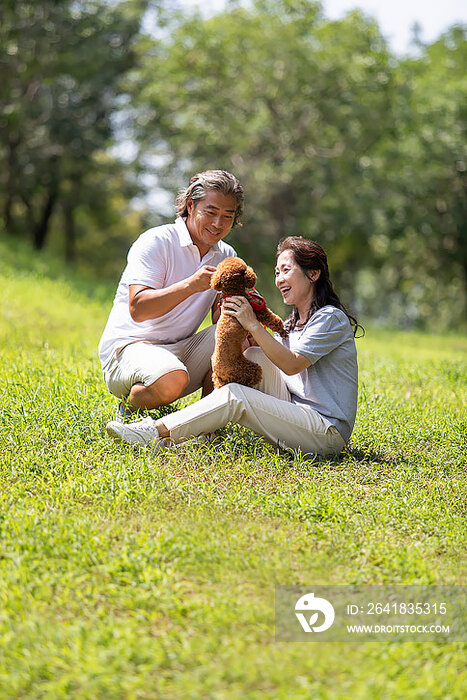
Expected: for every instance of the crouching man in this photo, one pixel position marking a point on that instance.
(150, 352)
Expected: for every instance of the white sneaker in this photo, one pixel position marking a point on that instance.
(141, 432)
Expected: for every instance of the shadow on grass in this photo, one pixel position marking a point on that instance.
(371, 457)
(240, 442)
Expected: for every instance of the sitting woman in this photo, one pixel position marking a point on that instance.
(307, 398)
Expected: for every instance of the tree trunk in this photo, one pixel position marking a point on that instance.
(29, 212)
(10, 187)
(42, 227)
(7, 213)
(70, 231)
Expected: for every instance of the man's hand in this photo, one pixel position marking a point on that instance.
(201, 280)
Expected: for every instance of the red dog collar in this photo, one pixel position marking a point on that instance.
(256, 300)
(254, 297)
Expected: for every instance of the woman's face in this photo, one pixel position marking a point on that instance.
(296, 288)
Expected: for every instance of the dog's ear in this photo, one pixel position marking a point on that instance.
(216, 280)
(250, 278)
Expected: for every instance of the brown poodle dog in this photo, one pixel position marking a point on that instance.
(233, 277)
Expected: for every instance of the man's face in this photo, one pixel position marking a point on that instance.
(211, 219)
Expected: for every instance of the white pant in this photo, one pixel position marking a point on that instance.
(267, 410)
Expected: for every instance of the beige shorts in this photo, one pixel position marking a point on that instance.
(145, 362)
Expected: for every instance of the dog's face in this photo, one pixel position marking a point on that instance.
(233, 276)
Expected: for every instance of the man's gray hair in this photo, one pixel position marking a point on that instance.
(201, 183)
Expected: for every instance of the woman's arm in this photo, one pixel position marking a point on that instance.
(286, 360)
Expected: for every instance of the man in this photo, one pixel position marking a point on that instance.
(150, 352)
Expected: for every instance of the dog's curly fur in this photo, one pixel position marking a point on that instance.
(233, 277)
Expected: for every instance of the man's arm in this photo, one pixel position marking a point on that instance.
(146, 303)
(215, 310)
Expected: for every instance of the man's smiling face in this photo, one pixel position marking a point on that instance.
(211, 219)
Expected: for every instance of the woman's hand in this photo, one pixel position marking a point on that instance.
(240, 309)
(288, 361)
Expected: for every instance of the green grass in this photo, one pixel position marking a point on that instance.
(124, 575)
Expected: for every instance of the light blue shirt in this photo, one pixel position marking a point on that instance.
(330, 384)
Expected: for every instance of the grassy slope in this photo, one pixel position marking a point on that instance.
(124, 575)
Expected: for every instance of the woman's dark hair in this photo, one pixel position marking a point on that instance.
(309, 255)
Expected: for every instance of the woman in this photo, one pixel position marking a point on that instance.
(307, 399)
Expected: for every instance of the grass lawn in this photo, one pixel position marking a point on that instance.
(124, 575)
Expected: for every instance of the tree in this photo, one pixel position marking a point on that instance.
(332, 137)
(63, 64)
(419, 240)
(294, 105)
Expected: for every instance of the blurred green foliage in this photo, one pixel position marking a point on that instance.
(332, 136)
(63, 68)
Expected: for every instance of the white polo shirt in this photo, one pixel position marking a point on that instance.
(160, 257)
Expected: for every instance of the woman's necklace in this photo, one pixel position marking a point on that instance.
(300, 326)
